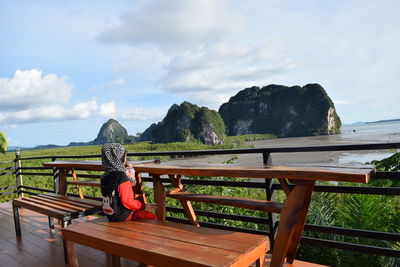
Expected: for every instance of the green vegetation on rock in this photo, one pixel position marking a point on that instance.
(282, 111)
(112, 131)
(187, 123)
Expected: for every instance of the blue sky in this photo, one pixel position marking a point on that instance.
(66, 67)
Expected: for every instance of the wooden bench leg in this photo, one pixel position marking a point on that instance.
(51, 223)
(260, 262)
(16, 221)
(66, 253)
(72, 258)
(116, 261)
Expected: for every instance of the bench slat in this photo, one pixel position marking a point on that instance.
(50, 205)
(254, 204)
(58, 203)
(40, 209)
(71, 202)
(75, 199)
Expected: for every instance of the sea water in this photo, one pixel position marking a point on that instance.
(379, 132)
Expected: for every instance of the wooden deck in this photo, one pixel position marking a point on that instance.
(40, 246)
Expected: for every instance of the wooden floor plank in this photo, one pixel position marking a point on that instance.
(39, 245)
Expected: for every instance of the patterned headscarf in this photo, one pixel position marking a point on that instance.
(112, 157)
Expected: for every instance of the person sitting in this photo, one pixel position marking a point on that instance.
(116, 187)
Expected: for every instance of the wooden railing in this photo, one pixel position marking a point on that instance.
(19, 169)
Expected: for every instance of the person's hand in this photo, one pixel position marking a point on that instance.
(128, 165)
(150, 207)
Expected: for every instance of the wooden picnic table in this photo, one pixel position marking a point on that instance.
(293, 210)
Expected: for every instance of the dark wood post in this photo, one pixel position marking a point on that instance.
(160, 197)
(18, 172)
(270, 194)
(56, 178)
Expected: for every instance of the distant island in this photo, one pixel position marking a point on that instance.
(393, 120)
(370, 122)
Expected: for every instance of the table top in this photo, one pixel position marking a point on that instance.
(315, 171)
(326, 172)
(167, 243)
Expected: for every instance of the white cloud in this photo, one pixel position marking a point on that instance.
(28, 89)
(57, 113)
(82, 110)
(174, 25)
(205, 63)
(145, 113)
(212, 74)
(108, 110)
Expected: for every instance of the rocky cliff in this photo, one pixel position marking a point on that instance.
(281, 110)
(112, 131)
(187, 122)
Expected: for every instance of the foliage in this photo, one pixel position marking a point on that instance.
(187, 123)
(391, 163)
(239, 140)
(3, 143)
(281, 110)
(112, 131)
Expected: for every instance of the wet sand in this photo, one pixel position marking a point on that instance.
(348, 136)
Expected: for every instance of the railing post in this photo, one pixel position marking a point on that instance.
(56, 177)
(267, 160)
(18, 172)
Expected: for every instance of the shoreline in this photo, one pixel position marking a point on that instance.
(333, 157)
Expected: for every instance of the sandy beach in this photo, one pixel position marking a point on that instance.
(362, 134)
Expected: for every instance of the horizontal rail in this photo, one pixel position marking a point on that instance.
(8, 161)
(220, 226)
(62, 157)
(7, 193)
(352, 232)
(7, 168)
(374, 146)
(6, 173)
(233, 217)
(34, 168)
(35, 188)
(8, 187)
(352, 247)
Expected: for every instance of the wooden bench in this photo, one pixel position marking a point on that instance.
(61, 207)
(166, 244)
